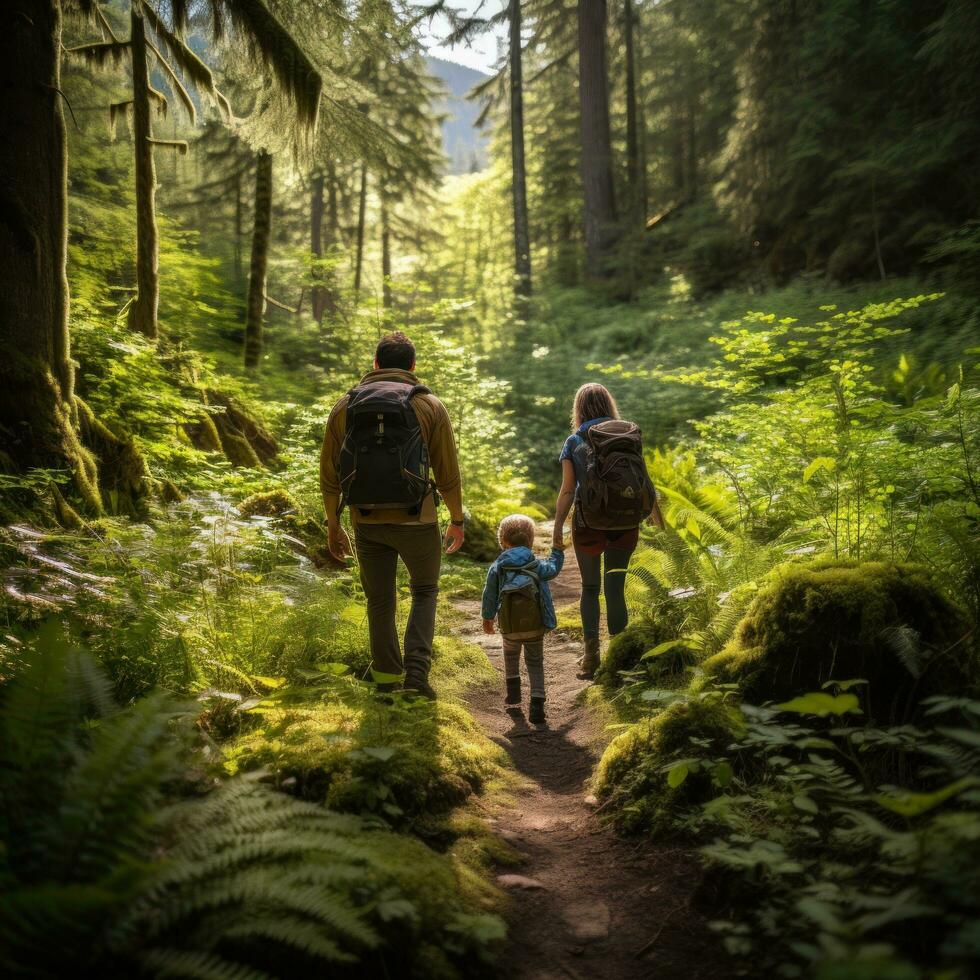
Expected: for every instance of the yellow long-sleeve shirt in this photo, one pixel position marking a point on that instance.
(437, 431)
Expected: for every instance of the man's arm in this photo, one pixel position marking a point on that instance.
(445, 471)
(444, 458)
(333, 438)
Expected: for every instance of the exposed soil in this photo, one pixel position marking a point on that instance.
(586, 902)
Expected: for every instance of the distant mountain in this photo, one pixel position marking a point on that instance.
(465, 144)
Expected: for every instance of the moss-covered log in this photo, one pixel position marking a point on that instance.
(226, 425)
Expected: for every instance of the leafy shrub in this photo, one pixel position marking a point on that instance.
(887, 624)
(640, 771)
(650, 644)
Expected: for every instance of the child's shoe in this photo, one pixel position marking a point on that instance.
(536, 714)
(513, 691)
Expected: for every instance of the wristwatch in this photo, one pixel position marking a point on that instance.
(458, 523)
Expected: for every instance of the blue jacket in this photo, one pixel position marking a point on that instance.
(497, 577)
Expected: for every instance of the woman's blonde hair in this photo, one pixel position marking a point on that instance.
(514, 530)
(593, 401)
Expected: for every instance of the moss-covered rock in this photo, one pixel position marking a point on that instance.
(631, 773)
(626, 650)
(887, 624)
(268, 503)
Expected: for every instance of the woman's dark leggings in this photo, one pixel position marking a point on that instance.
(613, 581)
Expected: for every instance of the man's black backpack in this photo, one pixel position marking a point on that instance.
(384, 461)
(616, 492)
(519, 616)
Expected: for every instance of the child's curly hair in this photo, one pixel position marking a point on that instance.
(514, 530)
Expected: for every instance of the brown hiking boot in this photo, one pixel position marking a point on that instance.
(417, 683)
(589, 661)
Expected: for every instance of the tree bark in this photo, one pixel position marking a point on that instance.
(239, 276)
(597, 173)
(258, 267)
(318, 294)
(143, 311)
(361, 209)
(522, 237)
(635, 177)
(385, 254)
(38, 420)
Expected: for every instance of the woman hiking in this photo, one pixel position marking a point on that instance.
(605, 477)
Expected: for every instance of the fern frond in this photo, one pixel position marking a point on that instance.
(196, 965)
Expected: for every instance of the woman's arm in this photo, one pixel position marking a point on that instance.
(566, 496)
(656, 516)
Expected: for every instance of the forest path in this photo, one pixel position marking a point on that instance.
(586, 903)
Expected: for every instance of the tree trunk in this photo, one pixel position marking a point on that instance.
(258, 267)
(43, 424)
(522, 238)
(38, 419)
(597, 173)
(239, 277)
(359, 245)
(143, 311)
(318, 294)
(385, 254)
(635, 177)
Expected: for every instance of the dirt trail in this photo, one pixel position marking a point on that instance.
(586, 903)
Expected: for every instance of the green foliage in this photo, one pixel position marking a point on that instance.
(887, 624)
(82, 784)
(645, 773)
(244, 882)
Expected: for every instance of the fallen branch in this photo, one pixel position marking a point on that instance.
(643, 950)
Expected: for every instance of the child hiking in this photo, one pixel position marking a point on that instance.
(517, 595)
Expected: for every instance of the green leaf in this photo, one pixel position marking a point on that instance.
(805, 803)
(907, 804)
(693, 527)
(661, 648)
(820, 463)
(844, 685)
(677, 774)
(820, 704)
(722, 774)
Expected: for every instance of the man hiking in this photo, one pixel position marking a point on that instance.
(388, 453)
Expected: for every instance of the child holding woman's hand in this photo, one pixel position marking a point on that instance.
(517, 595)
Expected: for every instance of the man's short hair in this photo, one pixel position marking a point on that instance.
(395, 351)
(515, 530)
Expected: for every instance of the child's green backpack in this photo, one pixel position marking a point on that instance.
(519, 616)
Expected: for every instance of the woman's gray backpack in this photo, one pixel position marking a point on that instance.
(384, 461)
(616, 492)
(519, 615)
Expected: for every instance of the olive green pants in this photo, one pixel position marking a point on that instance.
(378, 547)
